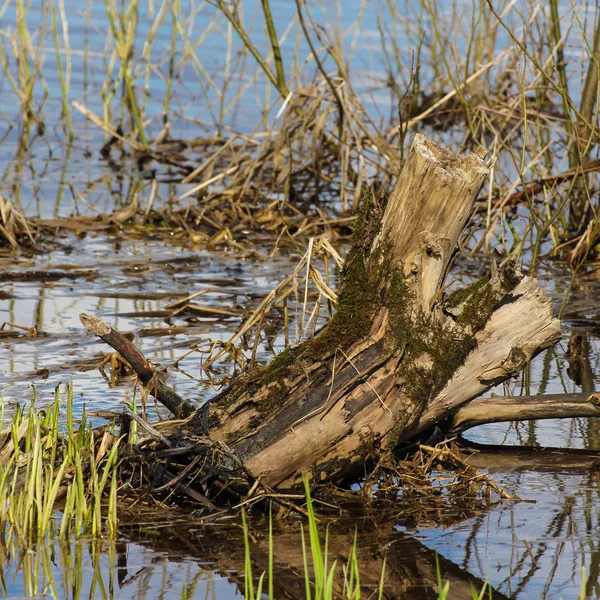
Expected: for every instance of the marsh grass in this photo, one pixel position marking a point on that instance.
(45, 463)
(23, 61)
(324, 123)
(518, 78)
(64, 70)
(325, 578)
(321, 575)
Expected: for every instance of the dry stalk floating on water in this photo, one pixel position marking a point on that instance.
(398, 358)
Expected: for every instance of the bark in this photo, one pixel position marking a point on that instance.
(400, 355)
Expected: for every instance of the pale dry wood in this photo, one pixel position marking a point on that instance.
(339, 402)
(524, 408)
(518, 330)
(428, 210)
(331, 413)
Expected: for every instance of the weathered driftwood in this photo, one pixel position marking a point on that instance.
(140, 364)
(400, 355)
(524, 408)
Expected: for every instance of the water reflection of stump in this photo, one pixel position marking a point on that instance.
(410, 567)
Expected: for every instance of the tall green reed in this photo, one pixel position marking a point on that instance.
(123, 22)
(27, 51)
(319, 572)
(64, 72)
(44, 462)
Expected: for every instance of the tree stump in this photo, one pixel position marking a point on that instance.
(400, 355)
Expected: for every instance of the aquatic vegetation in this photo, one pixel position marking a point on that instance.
(47, 463)
(320, 129)
(321, 575)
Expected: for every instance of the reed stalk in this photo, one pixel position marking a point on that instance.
(123, 26)
(279, 84)
(37, 466)
(278, 61)
(561, 69)
(64, 74)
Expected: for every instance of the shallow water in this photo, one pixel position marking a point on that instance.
(128, 283)
(526, 550)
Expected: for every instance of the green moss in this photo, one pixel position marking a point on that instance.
(358, 294)
(356, 307)
(462, 295)
(432, 352)
(276, 394)
(272, 377)
(277, 369)
(368, 222)
(473, 305)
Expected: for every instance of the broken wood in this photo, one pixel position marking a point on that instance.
(400, 355)
(524, 408)
(141, 365)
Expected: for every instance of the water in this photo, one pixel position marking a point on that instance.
(526, 550)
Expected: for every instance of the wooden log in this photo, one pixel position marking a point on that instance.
(524, 408)
(399, 355)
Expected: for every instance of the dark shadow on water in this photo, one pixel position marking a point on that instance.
(410, 566)
(161, 553)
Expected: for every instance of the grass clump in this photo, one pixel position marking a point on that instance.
(319, 572)
(325, 579)
(44, 465)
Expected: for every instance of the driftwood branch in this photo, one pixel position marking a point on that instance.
(535, 187)
(146, 373)
(524, 408)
